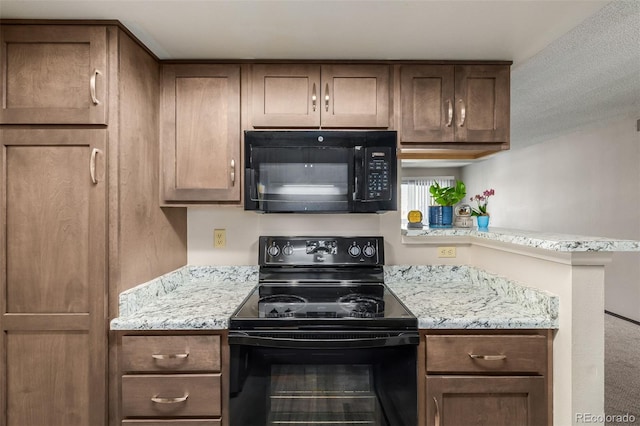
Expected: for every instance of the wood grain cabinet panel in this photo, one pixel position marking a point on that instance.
(482, 103)
(454, 104)
(170, 353)
(427, 103)
(53, 292)
(200, 133)
(481, 401)
(313, 96)
(171, 395)
(285, 95)
(53, 74)
(486, 354)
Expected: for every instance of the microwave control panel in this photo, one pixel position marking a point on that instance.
(378, 186)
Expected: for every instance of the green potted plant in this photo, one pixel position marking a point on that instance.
(441, 215)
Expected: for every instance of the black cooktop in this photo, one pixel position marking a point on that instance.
(322, 283)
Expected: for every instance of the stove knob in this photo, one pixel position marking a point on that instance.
(273, 251)
(354, 251)
(369, 251)
(287, 250)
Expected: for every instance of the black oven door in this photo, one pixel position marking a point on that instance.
(307, 179)
(323, 386)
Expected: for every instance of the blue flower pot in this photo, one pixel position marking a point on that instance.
(483, 222)
(440, 216)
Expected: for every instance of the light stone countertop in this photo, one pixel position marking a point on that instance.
(543, 240)
(445, 297)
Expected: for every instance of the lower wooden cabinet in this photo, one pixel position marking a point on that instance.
(173, 379)
(486, 378)
(486, 400)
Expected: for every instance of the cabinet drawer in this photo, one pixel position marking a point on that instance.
(172, 422)
(164, 395)
(483, 353)
(170, 353)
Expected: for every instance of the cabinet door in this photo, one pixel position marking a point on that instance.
(355, 96)
(427, 103)
(482, 103)
(285, 95)
(53, 74)
(200, 133)
(486, 400)
(52, 295)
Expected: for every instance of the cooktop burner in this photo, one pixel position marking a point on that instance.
(362, 306)
(354, 305)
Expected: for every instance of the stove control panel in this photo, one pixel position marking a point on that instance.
(316, 251)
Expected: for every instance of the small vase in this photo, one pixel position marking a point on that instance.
(440, 216)
(483, 222)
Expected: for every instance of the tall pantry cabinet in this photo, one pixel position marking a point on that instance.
(79, 214)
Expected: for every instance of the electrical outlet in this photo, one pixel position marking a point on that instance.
(446, 252)
(219, 238)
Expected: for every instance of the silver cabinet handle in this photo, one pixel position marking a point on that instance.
(488, 357)
(92, 86)
(463, 112)
(233, 172)
(450, 113)
(437, 415)
(170, 356)
(314, 98)
(92, 165)
(174, 400)
(326, 97)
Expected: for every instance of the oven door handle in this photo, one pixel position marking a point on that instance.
(239, 338)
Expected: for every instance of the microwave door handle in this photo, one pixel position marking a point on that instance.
(357, 171)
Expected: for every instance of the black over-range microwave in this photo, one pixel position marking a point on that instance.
(320, 171)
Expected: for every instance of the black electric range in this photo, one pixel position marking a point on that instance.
(322, 340)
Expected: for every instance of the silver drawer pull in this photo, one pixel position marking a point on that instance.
(92, 87)
(170, 356)
(92, 165)
(488, 357)
(174, 400)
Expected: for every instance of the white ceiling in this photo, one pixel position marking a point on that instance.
(575, 62)
(323, 29)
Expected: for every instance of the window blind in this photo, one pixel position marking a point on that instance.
(414, 194)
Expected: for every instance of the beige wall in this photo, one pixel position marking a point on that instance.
(587, 183)
(244, 228)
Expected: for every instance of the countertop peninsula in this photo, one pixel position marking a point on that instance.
(543, 240)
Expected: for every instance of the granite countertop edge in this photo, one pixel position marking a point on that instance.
(440, 296)
(543, 240)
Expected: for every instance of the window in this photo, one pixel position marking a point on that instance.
(414, 194)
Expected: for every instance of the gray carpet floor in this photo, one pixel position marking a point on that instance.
(621, 369)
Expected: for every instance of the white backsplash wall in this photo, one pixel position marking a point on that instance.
(587, 183)
(243, 229)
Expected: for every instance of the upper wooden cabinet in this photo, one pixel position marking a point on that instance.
(200, 133)
(312, 96)
(53, 74)
(454, 103)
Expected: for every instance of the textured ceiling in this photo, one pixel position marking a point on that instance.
(589, 75)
